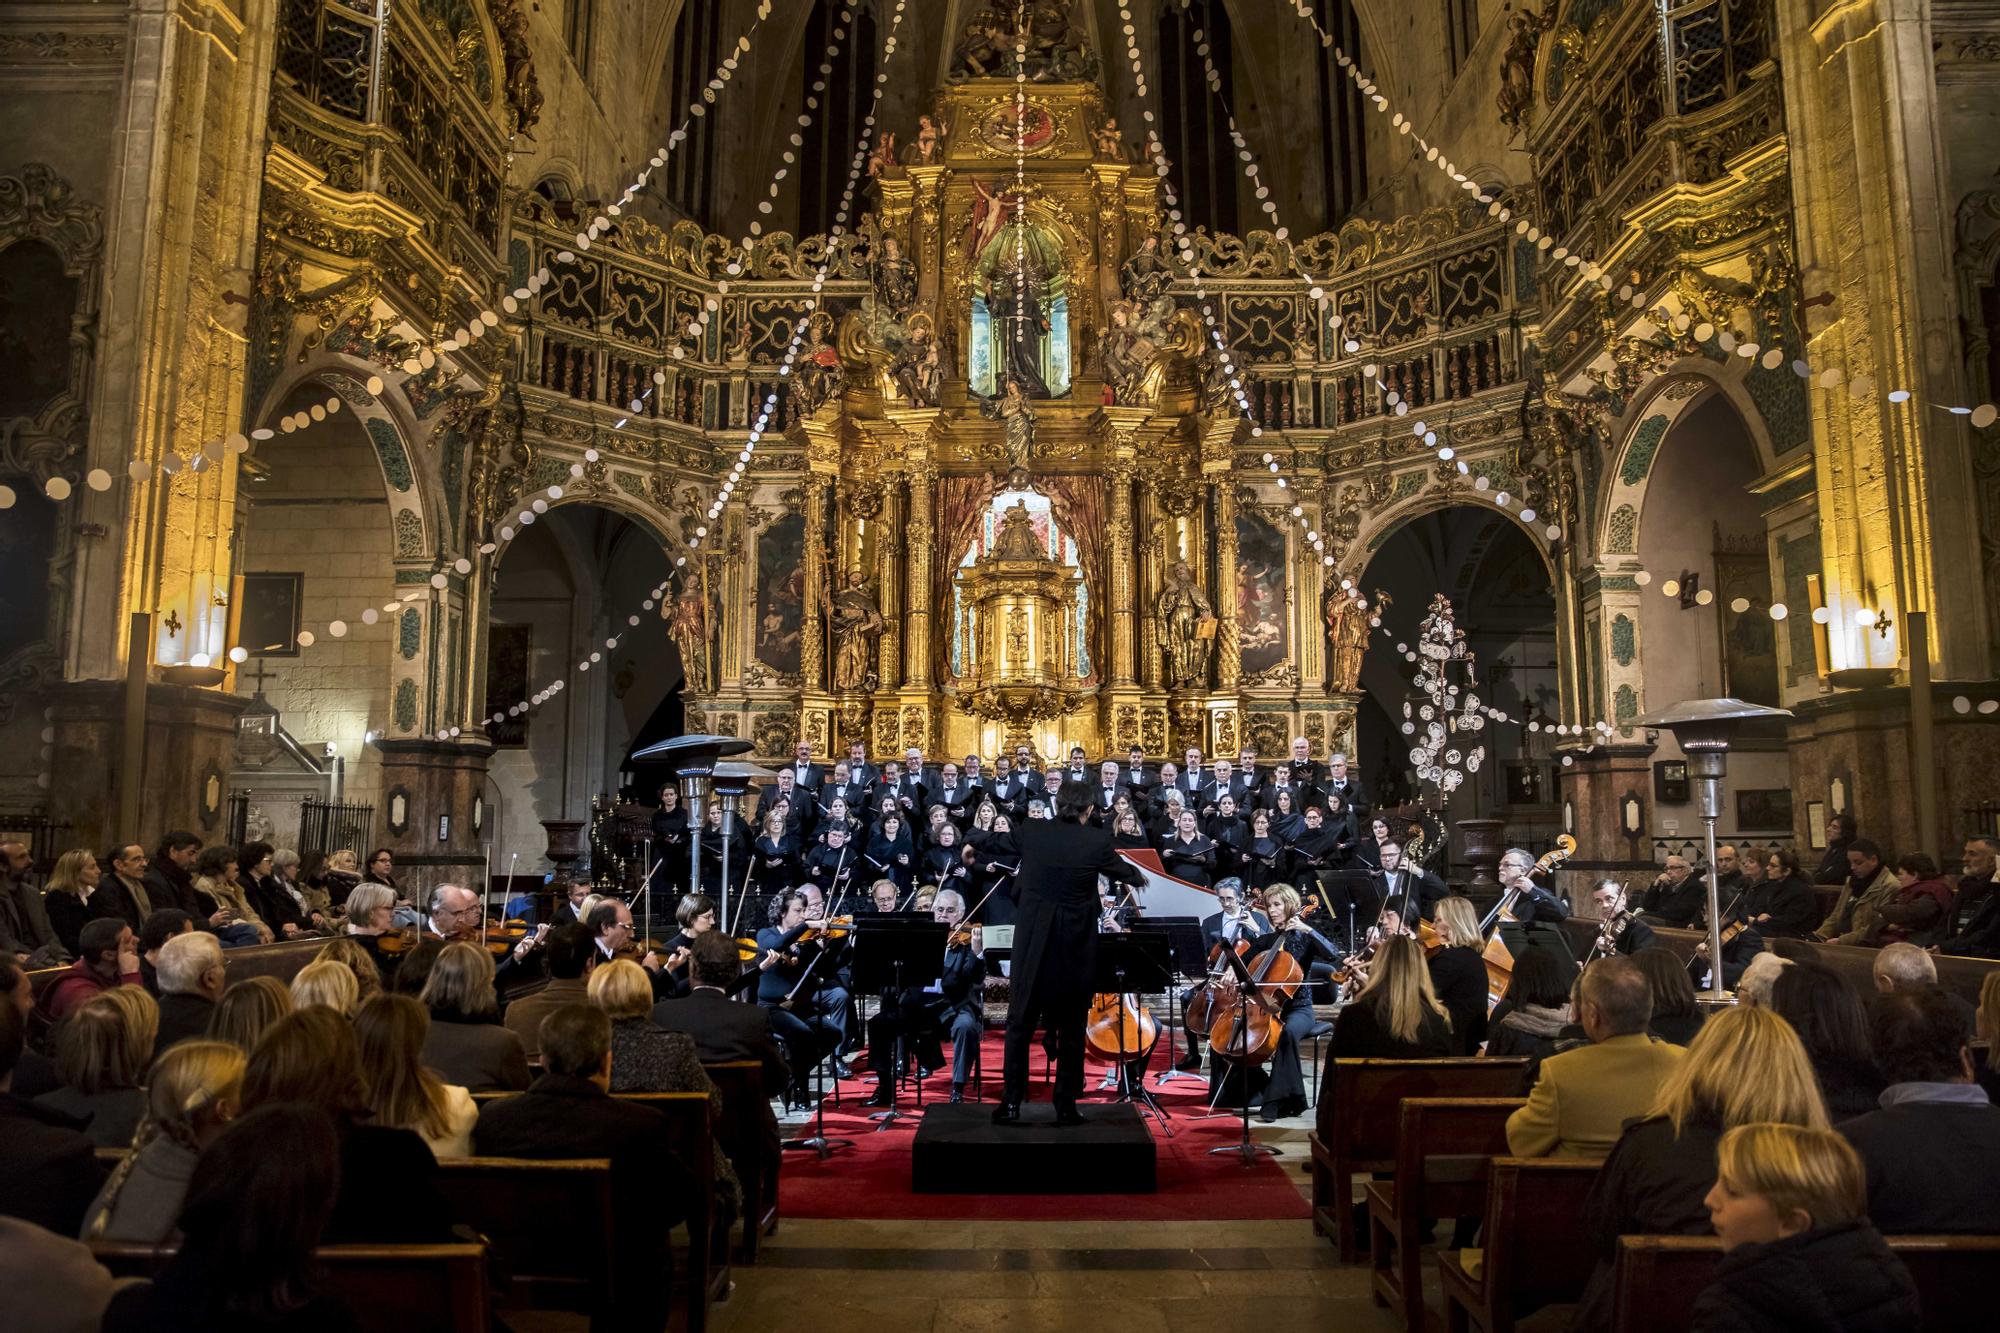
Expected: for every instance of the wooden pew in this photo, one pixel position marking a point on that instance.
(1656, 1279)
(390, 1288)
(1357, 1124)
(529, 1235)
(282, 960)
(1442, 1147)
(745, 1106)
(1535, 1253)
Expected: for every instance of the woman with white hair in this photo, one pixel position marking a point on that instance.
(1754, 986)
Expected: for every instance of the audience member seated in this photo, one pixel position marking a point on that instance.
(388, 1178)
(35, 1073)
(1784, 905)
(467, 1045)
(371, 914)
(74, 895)
(1825, 1011)
(1902, 966)
(644, 1058)
(1857, 914)
(1676, 897)
(1754, 986)
(1973, 928)
(1676, 1016)
(568, 951)
(161, 925)
(723, 1030)
(569, 1113)
(108, 957)
(1459, 975)
(192, 976)
(1584, 1096)
(1657, 1175)
(328, 985)
(191, 1097)
(54, 1284)
(247, 1010)
(1841, 831)
(256, 1208)
(1788, 1204)
(48, 1167)
(1922, 903)
(102, 1053)
(389, 1031)
(1531, 1016)
(1933, 1150)
(1397, 1015)
(218, 886)
(353, 953)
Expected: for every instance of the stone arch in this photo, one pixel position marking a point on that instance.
(1381, 524)
(1653, 414)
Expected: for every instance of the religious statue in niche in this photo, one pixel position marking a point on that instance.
(687, 624)
(1525, 27)
(1014, 303)
(895, 277)
(1347, 635)
(857, 626)
(917, 362)
(1187, 628)
(1016, 416)
(818, 374)
(1145, 275)
(1124, 351)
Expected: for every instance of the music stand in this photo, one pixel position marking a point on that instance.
(887, 951)
(1190, 960)
(1247, 1148)
(1353, 880)
(1132, 963)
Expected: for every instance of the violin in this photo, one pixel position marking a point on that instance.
(503, 937)
(836, 928)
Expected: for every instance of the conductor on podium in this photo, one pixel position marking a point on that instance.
(1055, 944)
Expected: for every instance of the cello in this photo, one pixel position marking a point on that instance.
(1499, 962)
(1118, 1027)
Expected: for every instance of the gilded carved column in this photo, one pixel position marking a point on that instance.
(1228, 654)
(922, 535)
(1148, 585)
(1118, 555)
(889, 568)
(812, 640)
(928, 257)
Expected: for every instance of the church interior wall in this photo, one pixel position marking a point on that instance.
(321, 511)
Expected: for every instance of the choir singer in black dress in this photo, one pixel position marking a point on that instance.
(1055, 944)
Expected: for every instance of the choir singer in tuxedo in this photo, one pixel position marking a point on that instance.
(1055, 944)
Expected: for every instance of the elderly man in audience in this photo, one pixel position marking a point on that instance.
(1933, 1150)
(193, 974)
(162, 924)
(110, 958)
(1677, 896)
(1857, 914)
(569, 1113)
(1584, 1096)
(25, 931)
(1902, 967)
(1976, 908)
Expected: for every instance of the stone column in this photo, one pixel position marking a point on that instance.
(1896, 491)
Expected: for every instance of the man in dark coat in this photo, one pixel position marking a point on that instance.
(48, 1168)
(724, 1030)
(1055, 944)
(569, 1113)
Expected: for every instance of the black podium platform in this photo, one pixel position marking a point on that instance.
(959, 1150)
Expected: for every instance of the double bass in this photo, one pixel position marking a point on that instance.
(1499, 962)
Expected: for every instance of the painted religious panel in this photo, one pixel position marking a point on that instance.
(1262, 631)
(1749, 636)
(508, 649)
(781, 594)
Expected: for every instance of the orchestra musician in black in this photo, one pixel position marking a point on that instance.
(951, 1006)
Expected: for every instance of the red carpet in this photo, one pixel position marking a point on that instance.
(872, 1177)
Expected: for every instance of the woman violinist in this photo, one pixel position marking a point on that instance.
(1285, 1093)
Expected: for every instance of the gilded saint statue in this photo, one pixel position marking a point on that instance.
(857, 625)
(1347, 626)
(1187, 628)
(687, 624)
(1017, 423)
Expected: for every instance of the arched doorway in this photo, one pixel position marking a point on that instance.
(1499, 585)
(562, 588)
